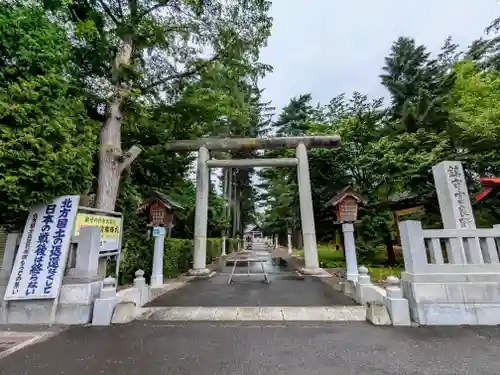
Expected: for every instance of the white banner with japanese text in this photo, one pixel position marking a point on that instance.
(43, 251)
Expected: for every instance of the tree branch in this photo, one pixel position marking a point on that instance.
(186, 74)
(120, 8)
(108, 11)
(159, 5)
(129, 156)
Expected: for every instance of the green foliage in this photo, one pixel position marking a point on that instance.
(442, 107)
(47, 142)
(178, 256)
(477, 105)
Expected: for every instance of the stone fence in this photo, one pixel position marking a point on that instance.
(460, 285)
(81, 284)
(384, 306)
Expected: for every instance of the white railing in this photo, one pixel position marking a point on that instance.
(449, 250)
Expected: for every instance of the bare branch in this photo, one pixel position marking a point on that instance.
(186, 74)
(108, 11)
(120, 8)
(129, 156)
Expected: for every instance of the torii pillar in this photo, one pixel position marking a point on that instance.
(301, 144)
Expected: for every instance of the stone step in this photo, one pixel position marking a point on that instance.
(263, 313)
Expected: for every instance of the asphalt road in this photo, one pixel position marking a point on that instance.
(156, 348)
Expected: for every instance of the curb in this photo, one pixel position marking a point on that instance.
(38, 338)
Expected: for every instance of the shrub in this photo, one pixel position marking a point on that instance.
(178, 256)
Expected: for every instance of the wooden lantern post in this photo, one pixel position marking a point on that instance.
(346, 204)
(161, 218)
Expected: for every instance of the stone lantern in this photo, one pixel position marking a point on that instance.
(346, 203)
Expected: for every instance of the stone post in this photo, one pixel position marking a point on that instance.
(350, 252)
(159, 250)
(412, 241)
(276, 241)
(456, 210)
(306, 213)
(358, 289)
(142, 287)
(453, 196)
(105, 304)
(9, 255)
(223, 244)
(87, 253)
(201, 215)
(397, 306)
(364, 277)
(289, 237)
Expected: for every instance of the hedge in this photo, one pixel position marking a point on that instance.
(178, 256)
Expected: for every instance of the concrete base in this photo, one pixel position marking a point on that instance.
(103, 311)
(453, 303)
(75, 307)
(318, 272)
(191, 276)
(377, 314)
(255, 313)
(157, 281)
(199, 272)
(125, 312)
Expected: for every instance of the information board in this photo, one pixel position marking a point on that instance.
(111, 230)
(43, 251)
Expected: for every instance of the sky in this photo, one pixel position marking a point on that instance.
(327, 47)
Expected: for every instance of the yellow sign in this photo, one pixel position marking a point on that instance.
(412, 210)
(110, 226)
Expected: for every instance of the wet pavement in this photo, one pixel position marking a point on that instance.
(282, 291)
(286, 288)
(157, 348)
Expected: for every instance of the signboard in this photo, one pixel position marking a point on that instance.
(411, 210)
(158, 231)
(43, 251)
(111, 230)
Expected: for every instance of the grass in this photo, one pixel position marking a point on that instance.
(330, 258)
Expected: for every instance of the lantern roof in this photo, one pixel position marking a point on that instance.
(166, 200)
(343, 194)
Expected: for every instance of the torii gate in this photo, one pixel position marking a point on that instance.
(301, 144)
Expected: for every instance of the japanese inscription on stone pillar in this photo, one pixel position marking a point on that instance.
(454, 201)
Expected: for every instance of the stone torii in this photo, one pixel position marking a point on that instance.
(301, 144)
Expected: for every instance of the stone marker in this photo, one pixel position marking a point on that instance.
(453, 196)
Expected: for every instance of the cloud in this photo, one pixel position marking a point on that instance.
(327, 47)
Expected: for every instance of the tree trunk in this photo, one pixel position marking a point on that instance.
(391, 255)
(112, 161)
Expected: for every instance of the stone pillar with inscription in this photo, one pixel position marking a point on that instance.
(453, 196)
(456, 210)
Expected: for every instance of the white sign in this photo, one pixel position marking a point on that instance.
(159, 231)
(41, 258)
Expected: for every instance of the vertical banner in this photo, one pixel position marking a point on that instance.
(41, 257)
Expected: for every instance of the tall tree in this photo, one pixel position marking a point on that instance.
(419, 86)
(47, 142)
(146, 51)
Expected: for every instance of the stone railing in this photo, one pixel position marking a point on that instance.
(460, 285)
(384, 306)
(466, 250)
